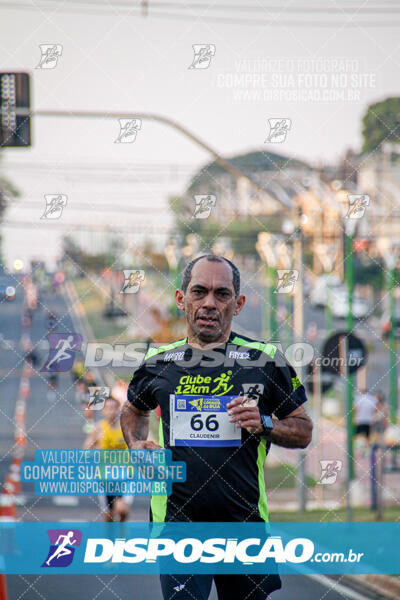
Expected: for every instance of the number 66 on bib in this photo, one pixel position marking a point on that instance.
(202, 421)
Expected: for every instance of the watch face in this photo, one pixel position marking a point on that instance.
(267, 423)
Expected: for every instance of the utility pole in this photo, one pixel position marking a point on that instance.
(390, 253)
(298, 327)
(349, 229)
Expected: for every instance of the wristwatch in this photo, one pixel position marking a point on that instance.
(267, 424)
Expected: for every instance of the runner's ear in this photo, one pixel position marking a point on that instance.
(179, 297)
(240, 302)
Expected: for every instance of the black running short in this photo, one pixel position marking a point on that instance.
(229, 587)
(363, 429)
(110, 501)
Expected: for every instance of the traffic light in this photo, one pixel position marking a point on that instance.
(15, 129)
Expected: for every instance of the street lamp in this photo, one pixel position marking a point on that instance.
(390, 253)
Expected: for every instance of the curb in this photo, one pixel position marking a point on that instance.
(387, 586)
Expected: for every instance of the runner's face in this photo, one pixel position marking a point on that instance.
(209, 302)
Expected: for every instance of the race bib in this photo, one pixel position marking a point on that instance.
(202, 421)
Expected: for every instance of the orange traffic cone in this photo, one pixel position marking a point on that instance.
(20, 436)
(18, 454)
(7, 508)
(3, 588)
(15, 477)
(9, 486)
(24, 387)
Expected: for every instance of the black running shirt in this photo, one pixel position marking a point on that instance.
(224, 464)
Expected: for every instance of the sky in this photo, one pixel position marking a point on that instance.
(322, 78)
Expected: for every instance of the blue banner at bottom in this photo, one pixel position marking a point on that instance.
(152, 548)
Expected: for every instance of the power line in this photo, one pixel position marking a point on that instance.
(95, 207)
(281, 20)
(73, 227)
(109, 5)
(98, 166)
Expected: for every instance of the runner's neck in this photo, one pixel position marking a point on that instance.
(220, 344)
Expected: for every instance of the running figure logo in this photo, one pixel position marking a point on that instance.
(278, 129)
(62, 351)
(203, 54)
(330, 469)
(222, 384)
(97, 397)
(357, 205)
(50, 55)
(204, 204)
(132, 282)
(55, 204)
(286, 281)
(252, 391)
(62, 547)
(128, 129)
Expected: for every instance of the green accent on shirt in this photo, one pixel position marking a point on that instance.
(269, 349)
(158, 504)
(296, 383)
(262, 500)
(153, 351)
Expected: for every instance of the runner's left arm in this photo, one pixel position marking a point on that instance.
(284, 397)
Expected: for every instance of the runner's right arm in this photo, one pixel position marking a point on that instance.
(135, 427)
(135, 415)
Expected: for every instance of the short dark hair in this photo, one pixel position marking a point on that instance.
(187, 273)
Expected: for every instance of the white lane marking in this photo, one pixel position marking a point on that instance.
(65, 500)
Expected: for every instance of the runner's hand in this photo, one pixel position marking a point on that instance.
(145, 445)
(244, 412)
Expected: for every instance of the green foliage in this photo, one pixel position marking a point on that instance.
(7, 191)
(241, 233)
(248, 163)
(284, 476)
(86, 261)
(381, 123)
(369, 272)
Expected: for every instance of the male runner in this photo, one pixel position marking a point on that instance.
(108, 436)
(207, 420)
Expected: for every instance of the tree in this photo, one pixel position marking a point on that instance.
(7, 191)
(381, 123)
